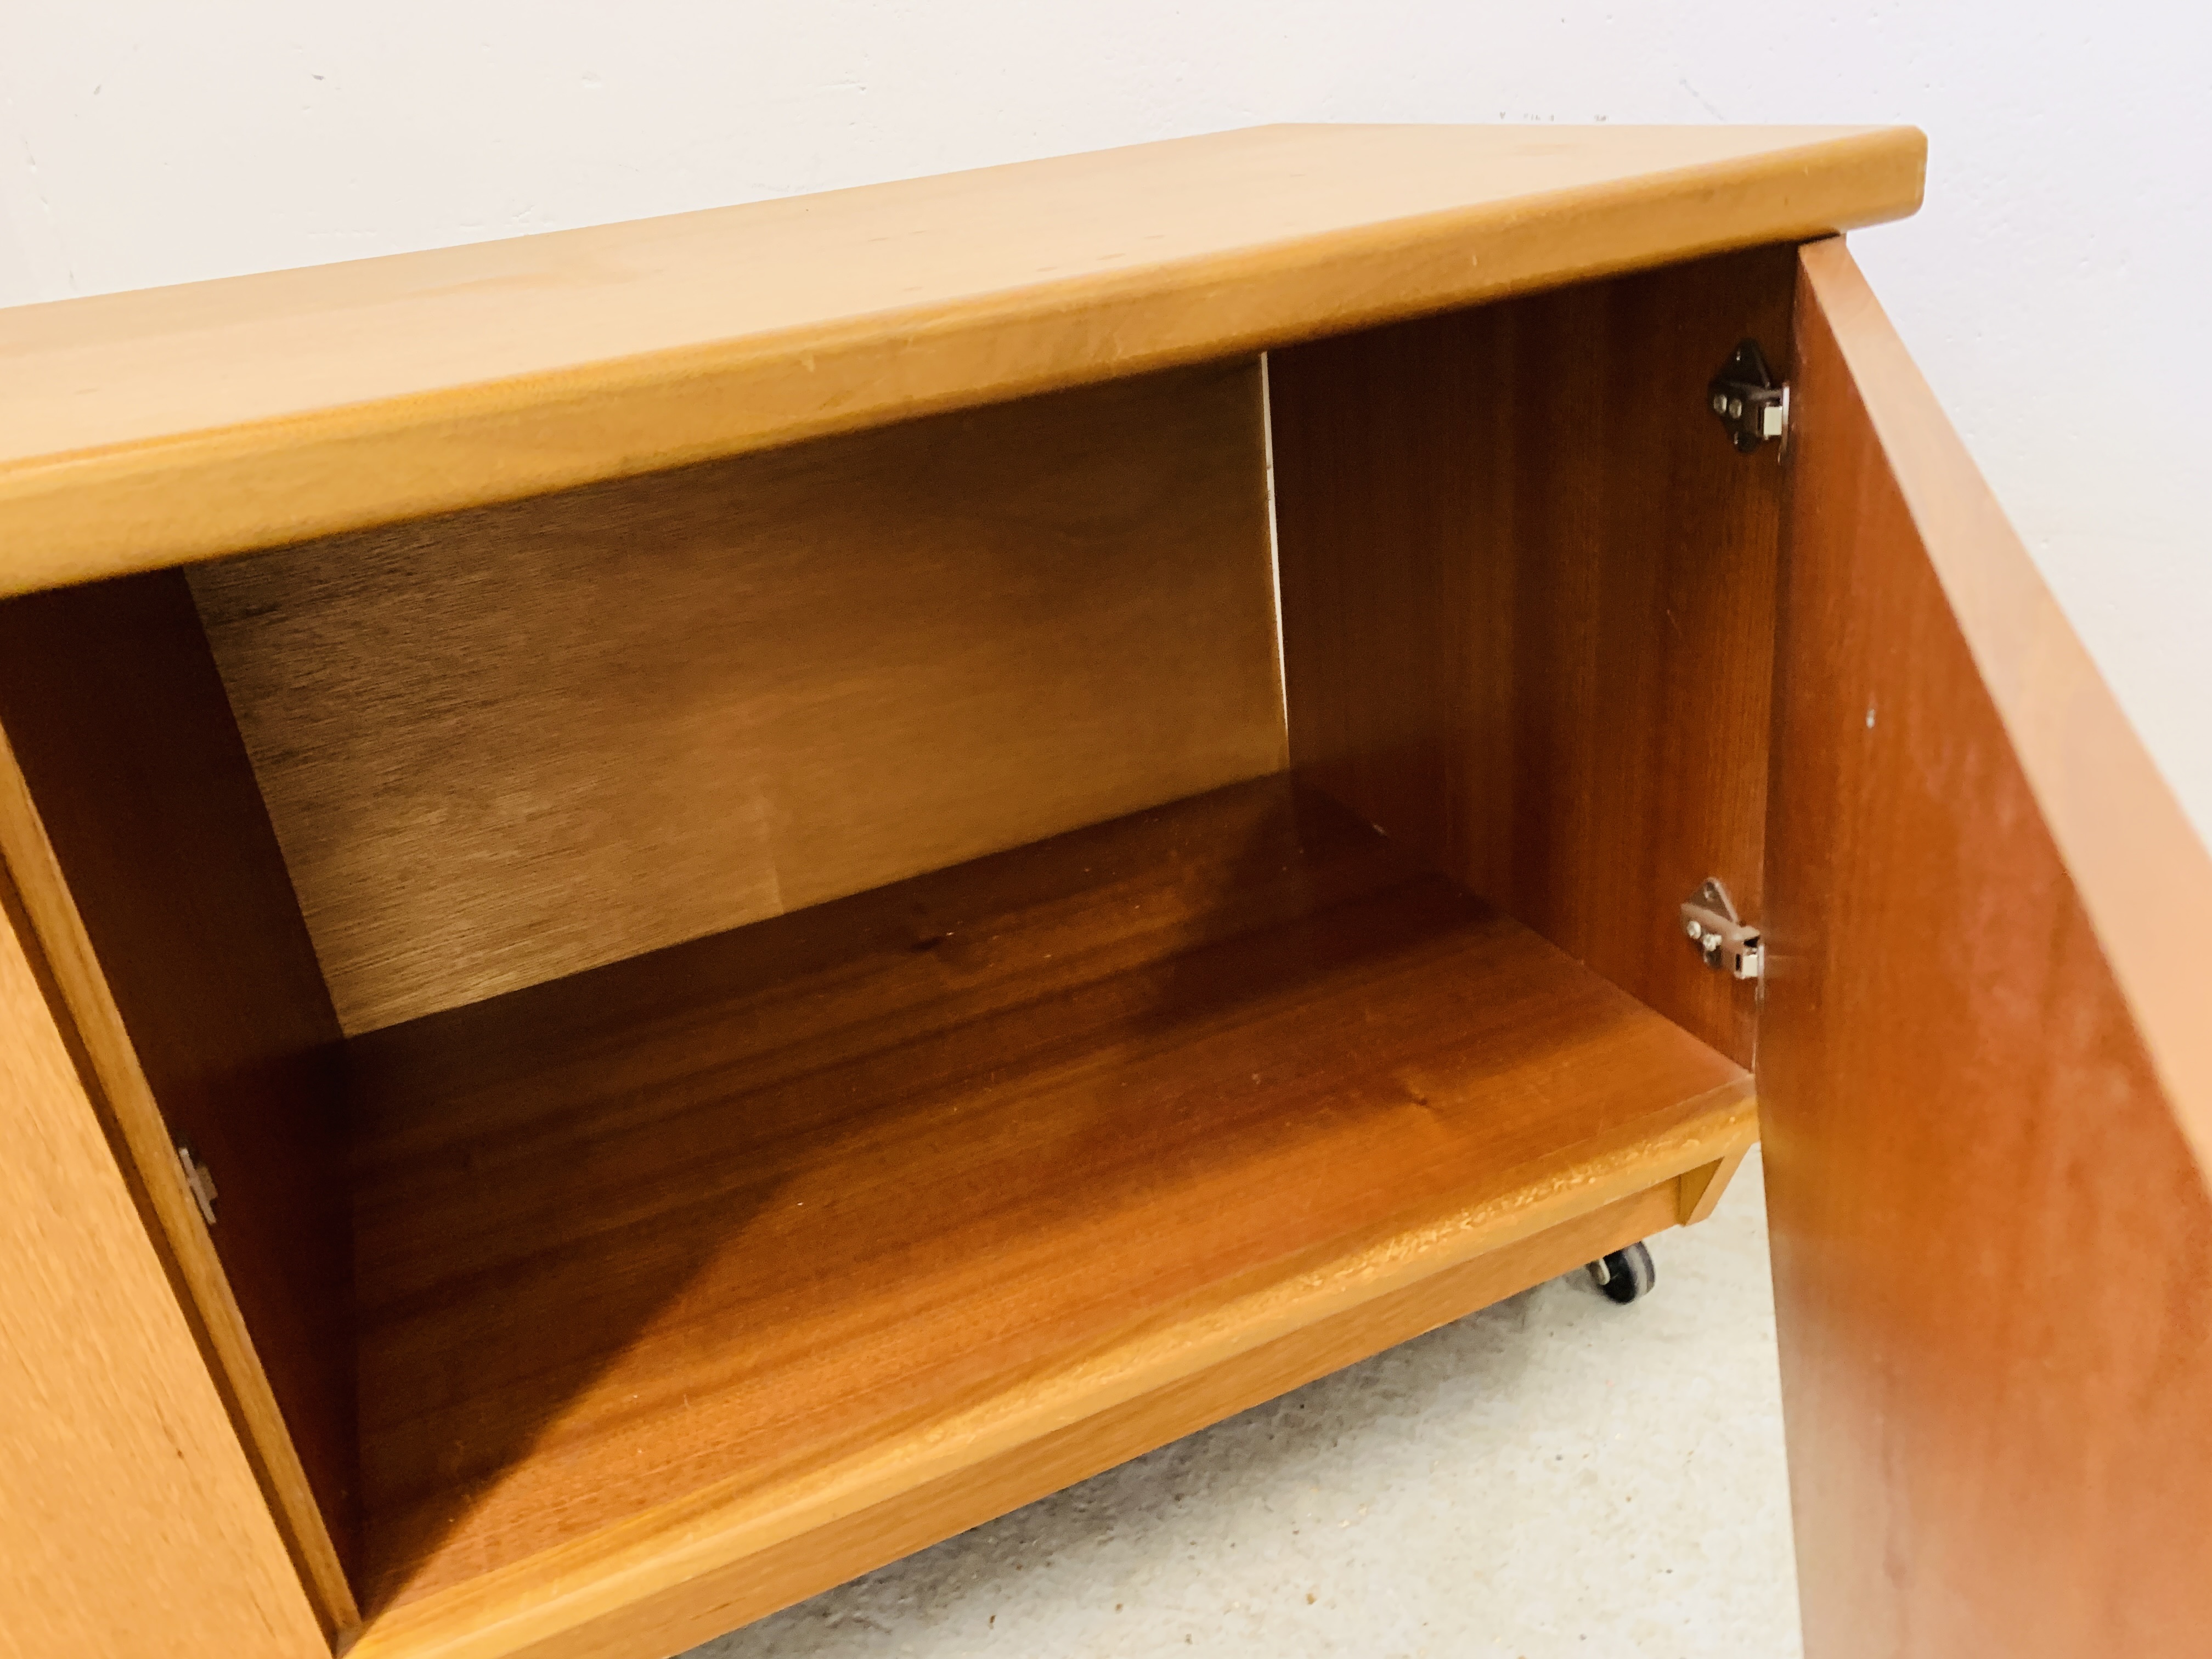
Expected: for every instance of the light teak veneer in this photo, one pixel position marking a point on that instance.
(778, 943)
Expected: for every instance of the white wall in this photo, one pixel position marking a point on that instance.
(2054, 287)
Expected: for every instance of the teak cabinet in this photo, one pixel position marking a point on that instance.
(691, 903)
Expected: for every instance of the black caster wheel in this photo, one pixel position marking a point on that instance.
(1626, 1274)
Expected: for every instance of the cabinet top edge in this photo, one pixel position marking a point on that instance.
(168, 425)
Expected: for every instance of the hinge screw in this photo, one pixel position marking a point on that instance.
(1751, 403)
(199, 1180)
(1711, 920)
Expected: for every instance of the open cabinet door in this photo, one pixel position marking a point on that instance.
(1984, 1049)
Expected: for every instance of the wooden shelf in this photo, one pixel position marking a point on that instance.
(728, 1242)
(144, 429)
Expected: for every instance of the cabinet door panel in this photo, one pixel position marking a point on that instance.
(131, 822)
(1977, 1088)
(130, 1523)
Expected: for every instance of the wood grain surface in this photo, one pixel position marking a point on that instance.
(1702, 1190)
(570, 1605)
(777, 1225)
(1997, 1342)
(141, 429)
(1528, 606)
(128, 814)
(521, 742)
(2142, 874)
(130, 1523)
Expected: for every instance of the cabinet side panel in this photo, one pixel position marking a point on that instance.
(131, 1522)
(1988, 1231)
(1528, 606)
(149, 866)
(517, 743)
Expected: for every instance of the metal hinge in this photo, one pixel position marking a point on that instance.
(1711, 923)
(1751, 403)
(199, 1180)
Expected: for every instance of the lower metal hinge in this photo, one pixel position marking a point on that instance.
(1728, 942)
(199, 1180)
(1751, 403)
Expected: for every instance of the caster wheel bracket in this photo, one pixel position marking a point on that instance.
(1624, 1274)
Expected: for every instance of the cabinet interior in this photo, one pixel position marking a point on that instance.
(693, 984)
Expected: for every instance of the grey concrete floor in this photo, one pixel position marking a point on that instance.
(1555, 1475)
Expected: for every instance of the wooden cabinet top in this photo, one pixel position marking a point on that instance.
(154, 428)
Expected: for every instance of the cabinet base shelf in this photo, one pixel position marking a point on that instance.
(696, 1283)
